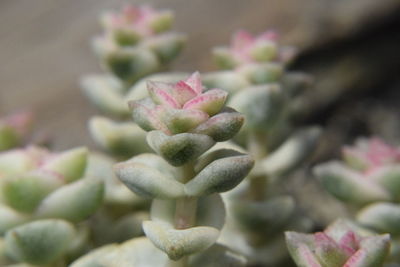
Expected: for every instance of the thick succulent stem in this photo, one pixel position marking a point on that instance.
(185, 212)
(257, 147)
(257, 144)
(186, 207)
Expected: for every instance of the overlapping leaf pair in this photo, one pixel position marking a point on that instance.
(342, 244)
(369, 178)
(136, 42)
(185, 121)
(50, 190)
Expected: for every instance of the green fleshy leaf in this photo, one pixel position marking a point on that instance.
(166, 46)
(229, 81)
(292, 152)
(270, 216)
(16, 162)
(130, 64)
(73, 202)
(217, 152)
(125, 36)
(219, 176)
(222, 126)
(389, 178)
(223, 58)
(96, 257)
(162, 22)
(144, 113)
(262, 105)
(180, 243)
(148, 182)
(372, 253)
(123, 139)
(25, 192)
(10, 218)
(327, 251)
(180, 148)
(261, 73)
(8, 137)
(180, 120)
(138, 252)
(264, 51)
(106, 94)
(382, 217)
(349, 186)
(70, 164)
(301, 248)
(211, 102)
(39, 242)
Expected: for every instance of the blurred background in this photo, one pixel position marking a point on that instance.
(350, 46)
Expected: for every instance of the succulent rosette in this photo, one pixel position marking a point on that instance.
(14, 129)
(137, 41)
(186, 107)
(368, 178)
(260, 86)
(252, 60)
(42, 196)
(184, 120)
(246, 48)
(369, 173)
(342, 244)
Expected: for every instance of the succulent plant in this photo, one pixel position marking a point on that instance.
(252, 60)
(368, 181)
(265, 93)
(340, 245)
(184, 121)
(370, 172)
(14, 128)
(43, 196)
(136, 42)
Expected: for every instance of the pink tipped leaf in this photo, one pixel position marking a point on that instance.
(210, 102)
(183, 92)
(180, 121)
(349, 243)
(328, 252)
(159, 93)
(194, 81)
(146, 115)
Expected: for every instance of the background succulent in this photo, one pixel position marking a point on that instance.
(43, 197)
(367, 181)
(342, 244)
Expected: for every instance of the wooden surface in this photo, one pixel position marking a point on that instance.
(44, 49)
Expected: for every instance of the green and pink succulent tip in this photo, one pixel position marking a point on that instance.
(369, 173)
(338, 246)
(144, 20)
(244, 44)
(247, 49)
(186, 106)
(371, 154)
